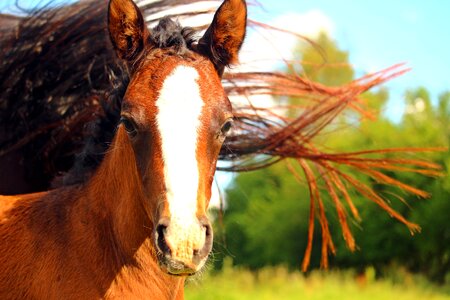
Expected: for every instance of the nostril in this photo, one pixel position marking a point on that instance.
(207, 246)
(161, 240)
(208, 238)
(208, 230)
(207, 226)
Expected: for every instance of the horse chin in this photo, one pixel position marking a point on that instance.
(177, 268)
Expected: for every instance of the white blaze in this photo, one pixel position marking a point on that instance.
(179, 108)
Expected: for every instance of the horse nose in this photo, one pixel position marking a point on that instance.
(200, 254)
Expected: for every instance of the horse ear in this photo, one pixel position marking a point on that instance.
(225, 35)
(127, 28)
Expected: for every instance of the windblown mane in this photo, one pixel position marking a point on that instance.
(56, 67)
(62, 89)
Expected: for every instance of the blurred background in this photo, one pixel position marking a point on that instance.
(262, 220)
(264, 227)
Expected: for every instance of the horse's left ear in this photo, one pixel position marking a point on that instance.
(126, 28)
(225, 35)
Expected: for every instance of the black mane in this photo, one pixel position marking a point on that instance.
(62, 88)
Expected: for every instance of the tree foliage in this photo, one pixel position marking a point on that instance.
(266, 219)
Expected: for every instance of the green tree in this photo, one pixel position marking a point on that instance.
(266, 219)
(324, 62)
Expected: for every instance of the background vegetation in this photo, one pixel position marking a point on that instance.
(278, 283)
(265, 222)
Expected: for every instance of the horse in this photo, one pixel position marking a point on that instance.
(138, 226)
(62, 97)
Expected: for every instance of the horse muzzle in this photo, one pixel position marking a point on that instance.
(183, 247)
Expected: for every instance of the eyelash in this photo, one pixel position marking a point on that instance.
(226, 128)
(129, 126)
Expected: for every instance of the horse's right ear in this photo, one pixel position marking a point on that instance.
(126, 28)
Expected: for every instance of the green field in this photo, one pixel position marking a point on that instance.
(280, 284)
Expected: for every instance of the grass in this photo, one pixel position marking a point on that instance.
(277, 283)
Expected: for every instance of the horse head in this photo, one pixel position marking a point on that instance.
(176, 116)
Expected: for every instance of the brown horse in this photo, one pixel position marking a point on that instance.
(138, 226)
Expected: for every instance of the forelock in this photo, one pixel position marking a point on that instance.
(170, 34)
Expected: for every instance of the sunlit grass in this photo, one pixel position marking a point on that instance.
(277, 283)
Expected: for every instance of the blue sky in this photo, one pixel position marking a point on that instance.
(381, 33)
(5, 4)
(378, 34)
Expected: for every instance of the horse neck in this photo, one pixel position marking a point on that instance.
(115, 197)
(115, 194)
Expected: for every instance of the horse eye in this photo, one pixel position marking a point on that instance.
(129, 125)
(226, 127)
